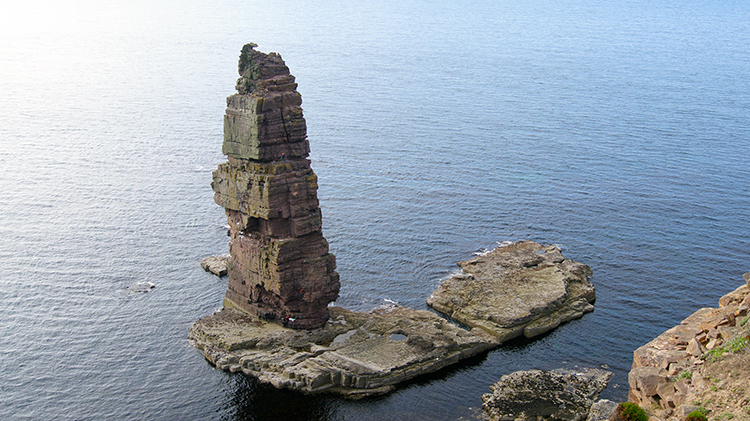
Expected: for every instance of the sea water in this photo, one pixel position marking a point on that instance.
(617, 130)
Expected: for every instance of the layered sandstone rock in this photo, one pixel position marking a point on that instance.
(517, 289)
(279, 267)
(560, 395)
(670, 372)
(355, 354)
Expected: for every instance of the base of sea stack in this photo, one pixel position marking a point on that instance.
(354, 354)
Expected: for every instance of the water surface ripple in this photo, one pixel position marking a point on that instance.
(617, 130)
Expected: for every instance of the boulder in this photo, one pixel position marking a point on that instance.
(354, 354)
(522, 288)
(601, 410)
(215, 264)
(561, 395)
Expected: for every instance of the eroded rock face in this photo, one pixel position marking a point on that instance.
(517, 289)
(354, 353)
(668, 372)
(561, 395)
(279, 267)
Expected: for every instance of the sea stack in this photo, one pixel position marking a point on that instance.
(279, 266)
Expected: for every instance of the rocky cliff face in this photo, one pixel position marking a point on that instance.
(702, 363)
(279, 266)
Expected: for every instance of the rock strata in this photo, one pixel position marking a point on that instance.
(279, 266)
(355, 354)
(560, 395)
(673, 373)
(522, 288)
(276, 324)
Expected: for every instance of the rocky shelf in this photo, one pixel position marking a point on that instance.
(354, 354)
(522, 288)
(559, 395)
(359, 354)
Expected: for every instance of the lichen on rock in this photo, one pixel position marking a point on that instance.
(560, 395)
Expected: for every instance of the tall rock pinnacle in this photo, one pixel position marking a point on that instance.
(279, 266)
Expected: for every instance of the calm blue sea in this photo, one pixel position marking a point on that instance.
(619, 130)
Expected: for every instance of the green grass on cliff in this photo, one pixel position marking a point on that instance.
(735, 345)
(628, 411)
(696, 416)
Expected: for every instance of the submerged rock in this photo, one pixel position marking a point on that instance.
(517, 289)
(215, 264)
(354, 354)
(561, 395)
(141, 287)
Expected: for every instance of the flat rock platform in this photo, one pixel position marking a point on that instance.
(521, 288)
(354, 354)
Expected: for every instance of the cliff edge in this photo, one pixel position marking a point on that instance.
(703, 364)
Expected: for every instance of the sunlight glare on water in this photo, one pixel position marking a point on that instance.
(618, 131)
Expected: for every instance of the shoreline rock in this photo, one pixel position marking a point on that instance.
(361, 354)
(670, 374)
(353, 354)
(216, 265)
(522, 288)
(560, 395)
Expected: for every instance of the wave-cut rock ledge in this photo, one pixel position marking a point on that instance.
(354, 354)
(526, 289)
(522, 288)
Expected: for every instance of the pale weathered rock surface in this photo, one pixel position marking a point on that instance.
(561, 395)
(215, 264)
(354, 354)
(279, 266)
(676, 371)
(522, 288)
(601, 410)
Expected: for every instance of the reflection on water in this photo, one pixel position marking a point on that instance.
(251, 400)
